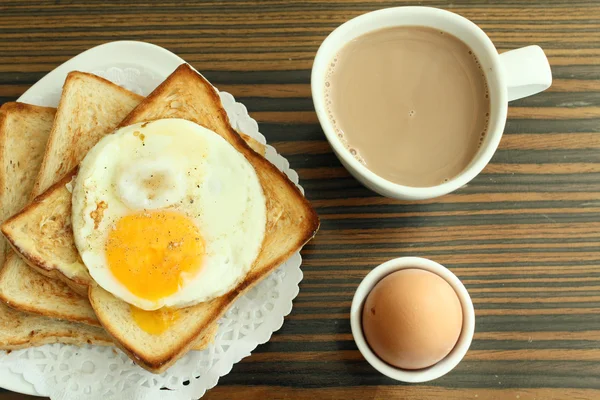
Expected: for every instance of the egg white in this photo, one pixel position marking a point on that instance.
(207, 179)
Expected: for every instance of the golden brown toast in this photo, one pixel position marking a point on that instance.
(24, 131)
(291, 222)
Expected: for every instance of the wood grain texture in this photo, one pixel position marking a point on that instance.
(524, 236)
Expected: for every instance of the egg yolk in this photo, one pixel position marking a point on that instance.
(154, 322)
(154, 253)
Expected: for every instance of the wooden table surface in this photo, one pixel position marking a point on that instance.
(524, 236)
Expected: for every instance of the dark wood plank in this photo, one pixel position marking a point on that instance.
(524, 236)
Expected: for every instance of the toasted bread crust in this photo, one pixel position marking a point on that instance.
(15, 106)
(70, 337)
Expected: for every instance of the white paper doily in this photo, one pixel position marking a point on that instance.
(65, 372)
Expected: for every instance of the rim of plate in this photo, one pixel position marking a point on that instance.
(152, 57)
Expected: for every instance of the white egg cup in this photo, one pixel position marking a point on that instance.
(462, 345)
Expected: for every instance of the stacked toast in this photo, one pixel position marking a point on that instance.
(46, 291)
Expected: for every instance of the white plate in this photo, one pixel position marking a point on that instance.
(140, 67)
(149, 58)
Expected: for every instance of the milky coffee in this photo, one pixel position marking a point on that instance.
(411, 103)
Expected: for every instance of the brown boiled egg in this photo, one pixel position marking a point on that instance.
(412, 318)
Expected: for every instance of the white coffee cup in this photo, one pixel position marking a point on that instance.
(510, 76)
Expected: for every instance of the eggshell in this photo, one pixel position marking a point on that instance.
(412, 319)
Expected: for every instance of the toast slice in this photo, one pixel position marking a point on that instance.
(291, 222)
(24, 131)
(89, 108)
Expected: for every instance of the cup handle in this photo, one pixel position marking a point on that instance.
(526, 70)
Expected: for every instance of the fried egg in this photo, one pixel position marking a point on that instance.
(167, 214)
